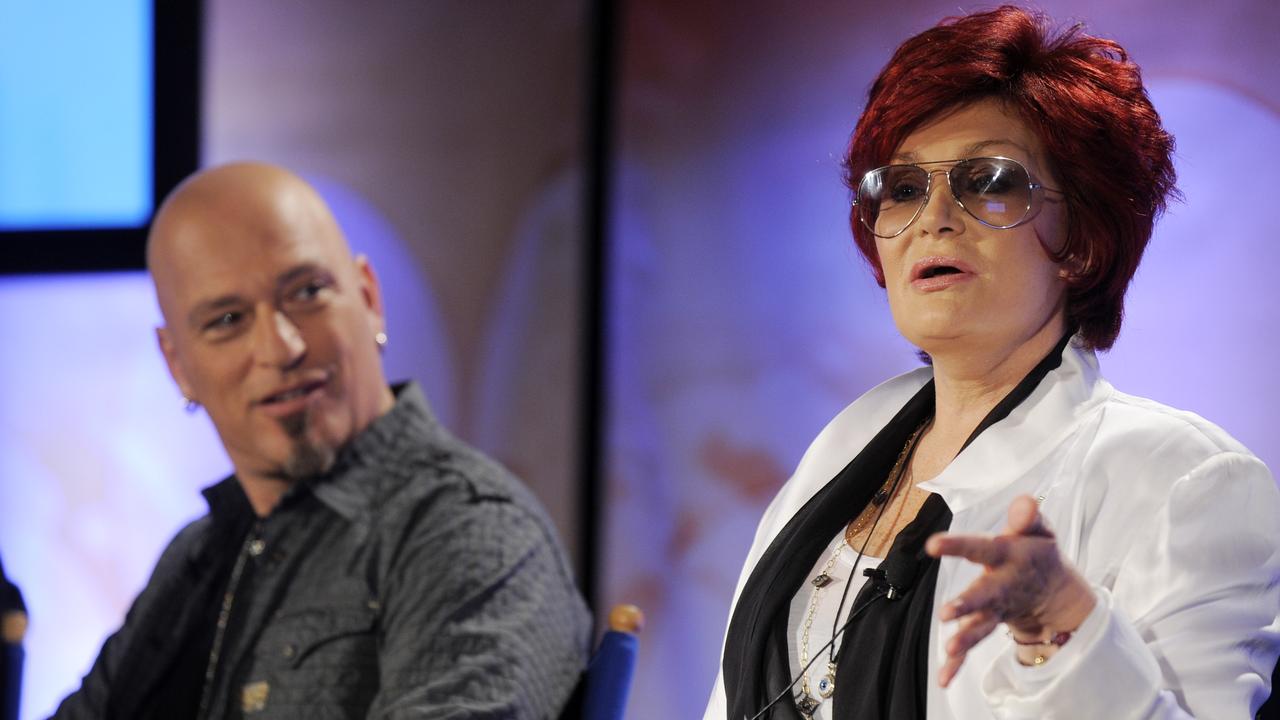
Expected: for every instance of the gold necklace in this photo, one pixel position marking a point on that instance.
(888, 491)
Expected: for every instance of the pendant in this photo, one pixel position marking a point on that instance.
(807, 705)
(827, 684)
(822, 580)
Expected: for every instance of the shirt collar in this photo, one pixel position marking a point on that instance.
(1009, 448)
(363, 468)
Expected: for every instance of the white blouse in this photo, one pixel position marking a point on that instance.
(1174, 523)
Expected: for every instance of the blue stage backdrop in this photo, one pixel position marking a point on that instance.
(75, 114)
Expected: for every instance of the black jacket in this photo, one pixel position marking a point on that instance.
(417, 578)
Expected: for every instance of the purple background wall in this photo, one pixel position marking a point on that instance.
(744, 319)
(741, 319)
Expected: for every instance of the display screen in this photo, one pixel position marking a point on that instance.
(76, 121)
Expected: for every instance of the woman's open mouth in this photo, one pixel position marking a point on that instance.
(938, 273)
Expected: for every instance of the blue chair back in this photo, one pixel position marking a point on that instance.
(11, 657)
(13, 626)
(611, 668)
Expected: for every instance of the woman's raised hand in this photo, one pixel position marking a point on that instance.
(1025, 584)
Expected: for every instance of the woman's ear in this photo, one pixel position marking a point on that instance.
(1071, 269)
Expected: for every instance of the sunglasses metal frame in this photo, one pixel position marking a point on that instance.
(1028, 214)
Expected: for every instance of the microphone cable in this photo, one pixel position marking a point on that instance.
(818, 655)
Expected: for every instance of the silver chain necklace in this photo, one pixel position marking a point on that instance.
(252, 546)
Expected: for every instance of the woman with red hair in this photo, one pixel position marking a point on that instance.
(1002, 533)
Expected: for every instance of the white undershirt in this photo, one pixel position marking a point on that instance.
(824, 614)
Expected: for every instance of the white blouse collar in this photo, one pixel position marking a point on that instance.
(1008, 449)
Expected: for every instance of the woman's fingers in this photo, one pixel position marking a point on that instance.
(949, 669)
(1025, 519)
(989, 551)
(971, 631)
(986, 594)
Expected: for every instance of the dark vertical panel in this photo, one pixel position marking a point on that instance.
(179, 48)
(599, 83)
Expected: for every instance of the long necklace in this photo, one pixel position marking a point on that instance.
(826, 685)
(252, 547)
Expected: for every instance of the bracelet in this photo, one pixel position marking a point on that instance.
(1058, 639)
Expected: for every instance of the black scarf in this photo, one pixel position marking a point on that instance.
(882, 669)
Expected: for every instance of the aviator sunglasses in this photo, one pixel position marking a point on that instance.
(996, 191)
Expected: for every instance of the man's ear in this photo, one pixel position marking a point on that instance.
(371, 292)
(170, 353)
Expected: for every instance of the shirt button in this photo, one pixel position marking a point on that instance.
(257, 546)
(289, 650)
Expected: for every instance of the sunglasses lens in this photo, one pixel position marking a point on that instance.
(996, 191)
(890, 197)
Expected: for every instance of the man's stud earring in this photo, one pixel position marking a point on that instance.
(380, 338)
(189, 405)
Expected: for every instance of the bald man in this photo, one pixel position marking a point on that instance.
(361, 562)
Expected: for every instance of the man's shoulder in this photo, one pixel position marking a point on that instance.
(410, 477)
(188, 541)
(440, 463)
(460, 519)
(445, 478)
(415, 455)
